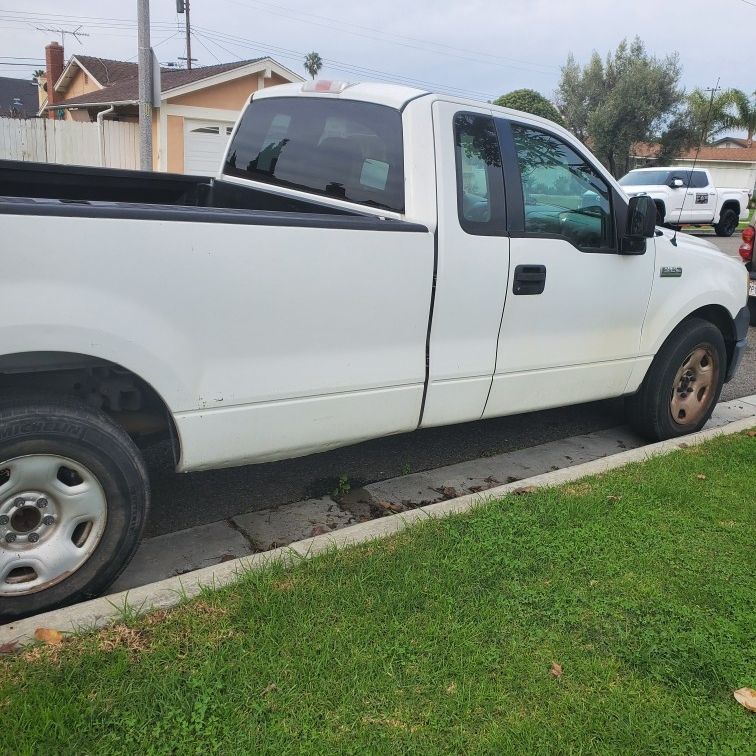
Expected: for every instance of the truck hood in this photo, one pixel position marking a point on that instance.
(688, 241)
(690, 245)
(634, 191)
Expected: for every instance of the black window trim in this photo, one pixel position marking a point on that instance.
(284, 185)
(516, 199)
(498, 225)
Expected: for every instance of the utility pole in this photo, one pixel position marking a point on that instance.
(188, 38)
(182, 6)
(145, 85)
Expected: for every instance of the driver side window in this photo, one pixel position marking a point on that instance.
(562, 192)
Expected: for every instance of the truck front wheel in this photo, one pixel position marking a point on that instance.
(74, 496)
(682, 385)
(728, 222)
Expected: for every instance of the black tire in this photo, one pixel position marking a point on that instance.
(752, 308)
(67, 428)
(649, 412)
(660, 213)
(728, 222)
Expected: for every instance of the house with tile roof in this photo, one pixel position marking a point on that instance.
(198, 107)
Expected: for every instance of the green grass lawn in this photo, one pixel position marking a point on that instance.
(639, 584)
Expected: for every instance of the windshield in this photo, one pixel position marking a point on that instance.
(645, 178)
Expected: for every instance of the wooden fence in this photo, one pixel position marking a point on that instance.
(69, 142)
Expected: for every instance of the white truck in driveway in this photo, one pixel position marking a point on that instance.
(685, 196)
(369, 260)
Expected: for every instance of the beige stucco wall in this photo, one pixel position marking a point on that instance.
(81, 83)
(175, 154)
(232, 95)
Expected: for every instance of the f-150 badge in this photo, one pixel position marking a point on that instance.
(670, 271)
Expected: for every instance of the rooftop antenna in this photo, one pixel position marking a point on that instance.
(76, 33)
(704, 132)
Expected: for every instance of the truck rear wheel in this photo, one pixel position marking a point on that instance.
(682, 385)
(74, 497)
(728, 222)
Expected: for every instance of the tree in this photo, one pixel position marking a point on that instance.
(313, 63)
(708, 114)
(742, 112)
(612, 104)
(530, 101)
(700, 119)
(39, 75)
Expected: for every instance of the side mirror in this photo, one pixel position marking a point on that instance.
(641, 224)
(677, 183)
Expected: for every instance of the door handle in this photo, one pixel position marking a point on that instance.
(529, 279)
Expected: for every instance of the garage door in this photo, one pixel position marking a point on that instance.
(204, 145)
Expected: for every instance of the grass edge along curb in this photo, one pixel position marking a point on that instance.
(167, 593)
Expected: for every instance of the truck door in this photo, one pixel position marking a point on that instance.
(472, 264)
(571, 325)
(700, 199)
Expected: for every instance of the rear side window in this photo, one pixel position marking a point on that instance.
(480, 181)
(336, 148)
(699, 180)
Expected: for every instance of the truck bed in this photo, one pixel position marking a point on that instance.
(53, 187)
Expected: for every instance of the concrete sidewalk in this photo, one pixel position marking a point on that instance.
(243, 535)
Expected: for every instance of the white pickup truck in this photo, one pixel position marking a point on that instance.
(684, 196)
(369, 260)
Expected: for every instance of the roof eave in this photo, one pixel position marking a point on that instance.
(233, 73)
(70, 105)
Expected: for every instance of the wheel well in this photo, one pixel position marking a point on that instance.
(718, 316)
(730, 205)
(129, 400)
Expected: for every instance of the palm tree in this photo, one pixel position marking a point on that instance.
(313, 63)
(709, 114)
(744, 115)
(38, 75)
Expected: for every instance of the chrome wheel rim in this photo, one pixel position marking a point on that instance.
(694, 386)
(53, 512)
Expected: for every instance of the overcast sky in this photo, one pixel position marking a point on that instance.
(482, 48)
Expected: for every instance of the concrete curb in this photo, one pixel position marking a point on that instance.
(92, 614)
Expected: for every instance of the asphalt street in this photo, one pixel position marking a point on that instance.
(183, 501)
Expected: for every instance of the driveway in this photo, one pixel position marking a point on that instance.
(183, 501)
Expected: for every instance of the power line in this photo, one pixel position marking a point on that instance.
(349, 68)
(402, 40)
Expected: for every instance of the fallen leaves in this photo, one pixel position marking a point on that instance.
(8, 648)
(556, 670)
(746, 697)
(268, 689)
(613, 498)
(751, 433)
(48, 636)
(451, 688)
(700, 476)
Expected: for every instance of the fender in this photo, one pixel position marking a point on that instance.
(155, 357)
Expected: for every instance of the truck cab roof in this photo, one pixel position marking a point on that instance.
(392, 95)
